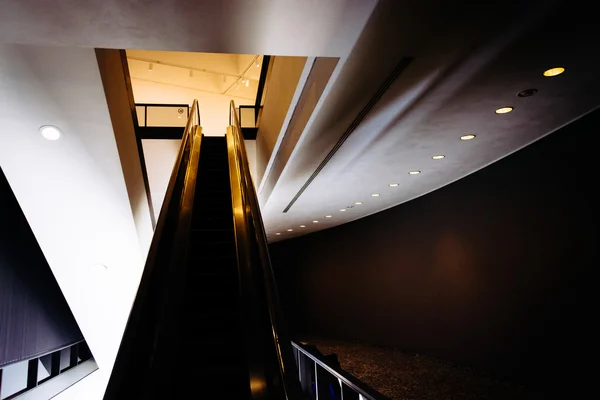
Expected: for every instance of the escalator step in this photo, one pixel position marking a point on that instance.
(209, 339)
(215, 248)
(215, 213)
(212, 221)
(211, 284)
(199, 268)
(213, 235)
(214, 203)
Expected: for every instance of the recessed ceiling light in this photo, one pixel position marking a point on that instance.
(554, 71)
(467, 137)
(278, 233)
(375, 195)
(358, 203)
(504, 110)
(302, 226)
(527, 92)
(315, 222)
(328, 216)
(343, 209)
(438, 157)
(393, 185)
(50, 132)
(290, 230)
(414, 172)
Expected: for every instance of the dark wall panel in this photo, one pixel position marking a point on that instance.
(493, 271)
(34, 316)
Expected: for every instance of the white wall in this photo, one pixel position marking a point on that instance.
(72, 191)
(110, 64)
(160, 155)
(251, 153)
(214, 108)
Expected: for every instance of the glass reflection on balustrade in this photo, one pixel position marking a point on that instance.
(162, 115)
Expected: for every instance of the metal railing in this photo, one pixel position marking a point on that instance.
(263, 317)
(248, 116)
(133, 375)
(53, 363)
(165, 115)
(319, 380)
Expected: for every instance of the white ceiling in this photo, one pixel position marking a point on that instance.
(224, 74)
(214, 81)
(459, 76)
(308, 27)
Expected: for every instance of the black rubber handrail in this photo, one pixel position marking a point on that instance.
(253, 255)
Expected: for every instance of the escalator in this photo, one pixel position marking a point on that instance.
(206, 321)
(211, 302)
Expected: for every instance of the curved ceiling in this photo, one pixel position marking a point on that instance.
(459, 75)
(292, 28)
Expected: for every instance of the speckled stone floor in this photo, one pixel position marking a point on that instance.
(408, 376)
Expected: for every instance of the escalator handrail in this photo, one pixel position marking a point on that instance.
(150, 287)
(287, 365)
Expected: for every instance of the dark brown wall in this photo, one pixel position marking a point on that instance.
(34, 316)
(493, 271)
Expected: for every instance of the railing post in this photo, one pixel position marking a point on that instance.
(74, 354)
(83, 351)
(316, 381)
(55, 364)
(325, 380)
(304, 372)
(349, 394)
(32, 373)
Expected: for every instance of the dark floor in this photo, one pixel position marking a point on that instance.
(410, 376)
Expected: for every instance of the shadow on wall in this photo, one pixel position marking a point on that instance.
(34, 316)
(493, 271)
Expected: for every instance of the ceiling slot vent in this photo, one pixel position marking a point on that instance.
(361, 115)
